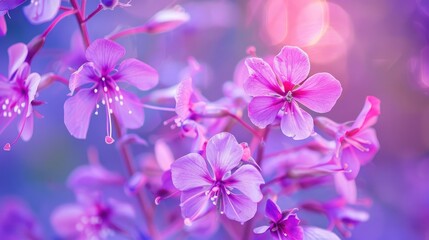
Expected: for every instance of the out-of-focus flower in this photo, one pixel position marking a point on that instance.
(7, 5)
(17, 221)
(221, 181)
(92, 218)
(93, 177)
(100, 71)
(285, 226)
(3, 25)
(41, 11)
(281, 88)
(167, 20)
(339, 214)
(17, 93)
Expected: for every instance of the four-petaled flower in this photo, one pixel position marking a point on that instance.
(220, 180)
(101, 72)
(283, 225)
(281, 88)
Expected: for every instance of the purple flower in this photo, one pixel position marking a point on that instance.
(17, 94)
(218, 181)
(92, 218)
(6, 5)
(41, 11)
(102, 73)
(283, 225)
(167, 20)
(280, 89)
(357, 143)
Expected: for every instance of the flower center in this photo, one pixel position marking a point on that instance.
(289, 96)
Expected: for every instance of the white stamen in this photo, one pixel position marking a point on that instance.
(110, 111)
(4, 114)
(7, 101)
(130, 112)
(105, 89)
(121, 97)
(103, 102)
(15, 109)
(97, 106)
(117, 88)
(96, 113)
(95, 90)
(103, 79)
(3, 107)
(23, 105)
(110, 100)
(19, 111)
(121, 103)
(9, 114)
(116, 98)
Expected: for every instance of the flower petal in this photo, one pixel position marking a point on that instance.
(77, 112)
(183, 97)
(345, 188)
(315, 233)
(262, 81)
(223, 153)
(93, 177)
(105, 54)
(164, 156)
(291, 65)
(27, 132)
(263, 110)
(137, 74)
(247, 179)
(319, 92)
(17, 54)
(369, 114)
(296, 123)
(328, 126)
(87, 73)
(195, 203)
(3, 25)
(32, 83)
(167, 20)
(261, 229)
(130, 114)
(65, 218)
(190, 171)
(273, 211)
(10, 4)
(41, 11)
(238, 207)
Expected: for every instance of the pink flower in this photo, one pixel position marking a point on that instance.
(103, 75)
(17, 93)
(280, 89)
(221, 181)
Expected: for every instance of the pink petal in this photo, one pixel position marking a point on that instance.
(27, 132)
(137, 74)
(130, 114)
(291, 65)
(41, 11)
(183, 98)
(105, 54)
(32, 83)
(263, 110)
(10, 4)
(195, 203)
(87, 73)
(261, 229)
(369, 114)
(65, 218)
(262, 81)
(328, 126)
(17, 54)
(247, 179)
(319, 92)
(190, 171)
(163, 154)
(121, 210)
(239, 207)
(272, 211)
(345, 188)
(223, 153)
(77, 112)
(93, 177)
(296, 123)
(350, 162)
(3, 25)
(315, 233)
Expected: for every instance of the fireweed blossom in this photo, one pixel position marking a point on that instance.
(280, 88)
(41, 11)
(356, 143)
(219, 180)
(100, 71)
(285, 226)
(17, 94)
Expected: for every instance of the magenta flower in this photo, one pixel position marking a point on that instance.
(41, 11)
(219, 181)
(280, 89)
(356, 144)
(101, 72)
(17, 94)
(283, 225)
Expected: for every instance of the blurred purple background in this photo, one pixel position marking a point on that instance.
(374, 47)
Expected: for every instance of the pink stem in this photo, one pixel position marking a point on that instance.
(97, 10)
(65, 8)
(159, 108)
(82, 26)
(56, 21)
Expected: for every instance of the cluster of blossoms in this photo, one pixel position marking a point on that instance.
(220, 182)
